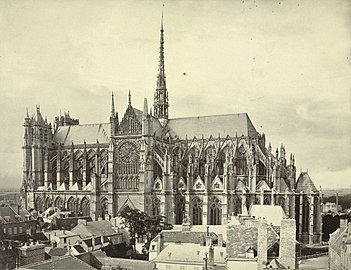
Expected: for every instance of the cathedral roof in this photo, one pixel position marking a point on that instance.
(305, 184)
(79, 133)
(229, 124)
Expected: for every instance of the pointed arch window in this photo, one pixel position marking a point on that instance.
(85, 206)
(39, 204)
(215, 211)
(196, 211)
(71, 204)
(59, 203)
(179, 209)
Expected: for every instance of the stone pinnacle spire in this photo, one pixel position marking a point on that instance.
(161, 95)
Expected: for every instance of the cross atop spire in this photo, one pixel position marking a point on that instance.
(161, 95)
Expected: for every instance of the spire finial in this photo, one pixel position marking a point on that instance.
(162, 17)
(27, 116)
(129, 99)
(112, 105)
(161, 95)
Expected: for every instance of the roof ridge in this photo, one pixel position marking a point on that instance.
(212, 115)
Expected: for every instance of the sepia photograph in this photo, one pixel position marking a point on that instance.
(175, 134)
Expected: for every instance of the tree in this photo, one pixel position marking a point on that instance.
(141, 224)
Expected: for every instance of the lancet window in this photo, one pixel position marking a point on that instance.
(215, 211)
(196, 209)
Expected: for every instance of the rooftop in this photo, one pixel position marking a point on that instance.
(212, 125)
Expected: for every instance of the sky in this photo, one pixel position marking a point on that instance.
(286, 64)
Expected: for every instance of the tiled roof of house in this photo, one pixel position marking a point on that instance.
(56, 252)
(126, 264)
(90, 133)
(206, 126)
(241, 237)
(305, 184)
(66, 262)
(171, 236)
(96, 228)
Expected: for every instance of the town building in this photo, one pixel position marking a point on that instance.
(205, 168)
(340, 247)
(16, 223)
(250, 244)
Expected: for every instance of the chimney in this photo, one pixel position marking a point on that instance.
(337, 202)
(287, 253)
(262, 245)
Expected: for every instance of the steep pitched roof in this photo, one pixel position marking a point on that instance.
(230, 124)
(97, 228)
(305, 184)
(78, 133)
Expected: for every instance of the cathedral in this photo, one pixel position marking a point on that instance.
(206, 168)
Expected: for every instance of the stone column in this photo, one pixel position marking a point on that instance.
(292, 204)
(300, 215)
(287, 252)
(187, 205)
(319, 220)
(205, 218)
(58, 167)
(311, 219)
(84, 169)
(46, 167)
(71, 166)
(224, 208)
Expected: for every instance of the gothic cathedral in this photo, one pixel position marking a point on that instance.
(206, 168)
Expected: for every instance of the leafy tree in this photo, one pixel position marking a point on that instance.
(141, 224)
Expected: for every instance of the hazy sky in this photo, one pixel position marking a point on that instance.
(287, 64)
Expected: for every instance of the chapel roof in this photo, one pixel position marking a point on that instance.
(305, 184)
(212, 125)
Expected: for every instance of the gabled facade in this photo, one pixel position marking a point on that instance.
(205, 168)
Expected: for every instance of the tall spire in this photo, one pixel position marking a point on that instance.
(112, 105)
(129, 99)
(161, 95)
